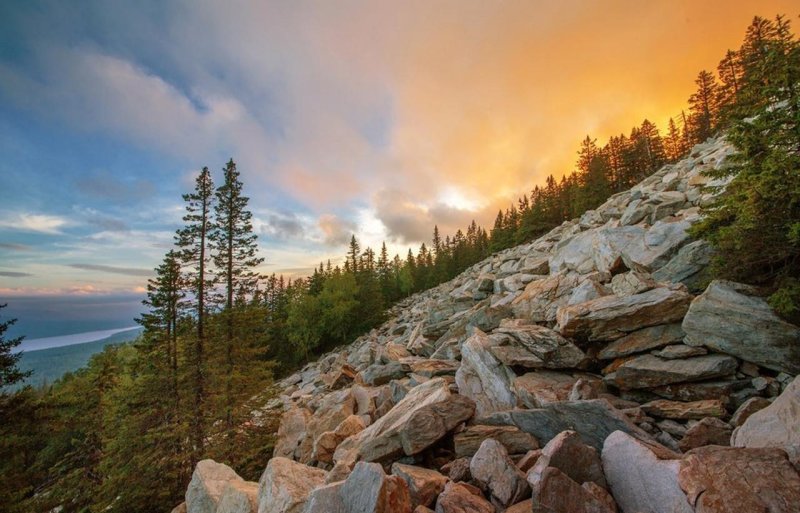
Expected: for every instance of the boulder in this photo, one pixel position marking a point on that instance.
(679, 352)
(613, 317)
(285, 485)
(369, 490)
(642, 340)
(327, 442)
(687, 265)
(378, 374)
(641, 480)
(576, 460)
(593, 420)
(777, 425)
(431, 368)
(651, 371)
(535, 389)
(484, 378)
(631, 283)
(555, 492)
(424, 416)
(326, 499)
(515, 441)
(728, 318)
(495, 472)
(462, 498)
(667, 409)
(748, 408)
(724, 479)
(587, 290)
(521, 507)
(209, 481)
(541, 298)
(180, 508)
(239, 497)
(424, 485)
(709, 431)
(698, 391)
(549, 349)
(291, 432)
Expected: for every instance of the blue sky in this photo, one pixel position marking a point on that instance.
(344, 117)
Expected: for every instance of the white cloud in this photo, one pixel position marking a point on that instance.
(38, 223)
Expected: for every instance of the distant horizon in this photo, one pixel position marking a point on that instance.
(40, 344)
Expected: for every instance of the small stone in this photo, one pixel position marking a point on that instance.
(709, 431)
(679, 351)
(664, 408)
(424, 484)
(462, 498)
(515, 441)
(748, 408)
(495, 471)
(571, 456)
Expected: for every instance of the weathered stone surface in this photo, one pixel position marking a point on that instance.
(777, 425)
(285, 485)
(432, 368)
(378, 374)
(679, 352)
(462, 498)
(180, 508)
(209, 481)
(574, 254)
(529, 460)
(570, 455)
(748, 408)
(424, 484)
(667, 409)
(483, 378)
(291, 432)
(640, 481)
(326, 443)
(326, 499)
(496, 473)
(515, 441)
(613, 317)
(700, 390)
(239, 497)
(541, 298)
(551, 350)
(729, 319)
(555, 492)
(601, 494)
(709, 431)
(632, 282)
(650, 371)
(521, 507)
(642, 340)
(369, 490)
(725, 479)
(389, 436)
(458, 469)
(687, 265)
(593, 420)
(586, 291)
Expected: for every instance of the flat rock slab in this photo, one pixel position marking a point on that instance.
(642, 340)
(650, 371)
(613, 317)
(729, 319)
(535, 389)
(725, 479)
(541, 298)
(515, 441)
(641, 481)
(593, 420)
(666, 409)
(550, 350)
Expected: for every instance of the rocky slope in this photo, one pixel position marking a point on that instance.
(583, 372)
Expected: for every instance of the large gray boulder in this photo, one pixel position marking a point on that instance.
(423, 417)
(541, 298)
(641, 480)
(593, 420)
(285, 485)
(687, 265)
(326, 499)
(538, 347)
(369, 490)
(613, 317)
(239, 497)
(777, 425)
(642, 340)
(651, 371)
(209, 481)
(728, 318)
(483, 377)
(292, 432)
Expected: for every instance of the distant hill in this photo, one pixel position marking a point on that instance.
(50, 364)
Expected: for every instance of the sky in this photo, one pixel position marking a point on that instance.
(375, 118)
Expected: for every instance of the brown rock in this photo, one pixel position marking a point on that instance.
(649, 371)
(680, 351)
(666, 409)
(613, 317)
(515, 441)
(369, 490)
(423, 509)
(521, 507)
(571, 456)
(529, 460)
(699, 391)
(431, 368)
(496, 473)
(541, 298)
(709, 431)
(424, 484)
(239, 497)
(291, 432)
(285, 486)
(600, 494)
(462, 498)
(459, 470)
(642, 340)
(535, 389)
(726, 479)
(748, 408)
(554, 492)
(208, 483)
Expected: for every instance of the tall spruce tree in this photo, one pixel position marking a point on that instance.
(235, 256)
(193, 243)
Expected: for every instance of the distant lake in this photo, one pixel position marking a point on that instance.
(36, 344)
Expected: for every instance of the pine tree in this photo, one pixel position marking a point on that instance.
(235, 255)
(9, 372)
(703, 106)
(193, 242)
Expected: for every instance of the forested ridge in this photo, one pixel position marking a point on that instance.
(124, 433)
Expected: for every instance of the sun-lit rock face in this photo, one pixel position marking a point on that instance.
(599, 341)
